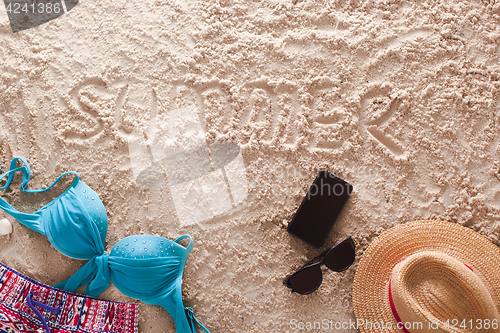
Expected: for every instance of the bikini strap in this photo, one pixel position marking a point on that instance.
(29, 220)
(77, 179)
(188, 310)
(26, 170)
(12, 170)
(193, 319)
(190, 245)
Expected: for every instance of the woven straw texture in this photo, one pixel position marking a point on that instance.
(371, 282)
(431, 286)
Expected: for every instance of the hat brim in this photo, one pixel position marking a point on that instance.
(370, 294)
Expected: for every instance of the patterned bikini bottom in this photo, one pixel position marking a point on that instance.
(27, 305)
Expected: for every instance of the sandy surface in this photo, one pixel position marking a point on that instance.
(399, 98)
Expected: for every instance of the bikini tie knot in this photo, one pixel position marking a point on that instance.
(95, 273)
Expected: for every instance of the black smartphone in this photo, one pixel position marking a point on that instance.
(320, 208)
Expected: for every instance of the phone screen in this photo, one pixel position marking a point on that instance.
(320, 208)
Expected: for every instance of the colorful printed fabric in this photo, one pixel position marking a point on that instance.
(78, 313)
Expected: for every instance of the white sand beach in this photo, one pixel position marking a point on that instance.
(399, 98)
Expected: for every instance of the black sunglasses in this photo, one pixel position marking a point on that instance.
(309, 277)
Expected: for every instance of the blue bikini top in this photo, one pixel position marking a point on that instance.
(145, 267)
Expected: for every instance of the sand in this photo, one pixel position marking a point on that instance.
(399, 98)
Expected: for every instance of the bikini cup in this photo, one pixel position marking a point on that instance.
(75, 222)
(145, 267)
(150, 268)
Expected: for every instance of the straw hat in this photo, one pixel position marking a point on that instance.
(430, 276)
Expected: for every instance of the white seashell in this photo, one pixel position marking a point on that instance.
(5, 227)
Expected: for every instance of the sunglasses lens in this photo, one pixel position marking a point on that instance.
(306, 280)
(341, 257)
